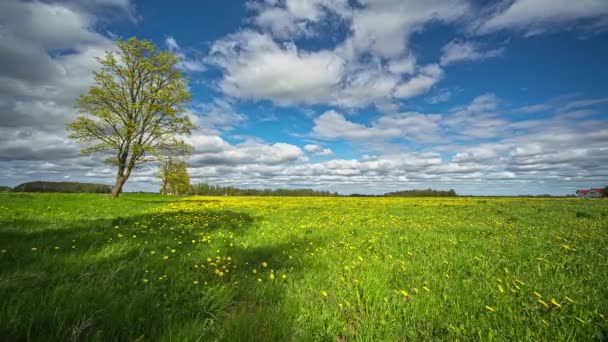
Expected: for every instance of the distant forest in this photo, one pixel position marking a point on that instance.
(422, 193)
(215, 190)
(70, 187)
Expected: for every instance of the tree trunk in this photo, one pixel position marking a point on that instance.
(117, 189)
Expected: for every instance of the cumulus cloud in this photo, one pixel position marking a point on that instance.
(413, 126)
(292, 18)
(383, 27)
(47, 59)
(213, 150)
(460, 50)
(256, 67)
(370, 65)
(318, 150)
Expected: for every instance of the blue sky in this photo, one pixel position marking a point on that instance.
(484, 97)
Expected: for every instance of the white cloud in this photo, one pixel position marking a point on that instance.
(213, 150)
(412, 126)
(366, 67)
(318, 150)
(383, 27)
(478, 120)
(187, 62)
(403, 66)
(443, 95)
(419, 84)
(293, 18)
(459, 51)
(332, 124)
(256, 67)
(216, 117)
(534, 16)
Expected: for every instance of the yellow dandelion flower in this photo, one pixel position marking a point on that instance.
(324, 293)
(221, 274)
(166, 257)
(208, 259)
(284, 276)
(554, 302)
(195, 282)
(271, 276)
(145, 280)
(259, 280)
(173, 251)
(34, 249)
(264, 264)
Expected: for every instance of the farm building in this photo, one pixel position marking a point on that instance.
(591, 193)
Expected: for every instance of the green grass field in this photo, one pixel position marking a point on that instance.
(146, 267)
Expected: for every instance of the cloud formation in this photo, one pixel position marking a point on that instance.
(364, 90)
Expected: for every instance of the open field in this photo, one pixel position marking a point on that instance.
(146, 267)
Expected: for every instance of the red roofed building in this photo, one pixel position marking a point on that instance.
(591, 193)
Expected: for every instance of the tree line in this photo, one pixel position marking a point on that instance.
(218, 190)
(68, 187)
(422, 193)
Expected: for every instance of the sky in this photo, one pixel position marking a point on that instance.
(354, 96)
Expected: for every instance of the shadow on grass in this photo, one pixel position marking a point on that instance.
(133, 277)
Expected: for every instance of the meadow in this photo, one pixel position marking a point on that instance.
(150, 267)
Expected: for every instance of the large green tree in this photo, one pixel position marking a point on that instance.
(174, 176)
(134, 112)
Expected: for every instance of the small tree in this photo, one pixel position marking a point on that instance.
(135, 109)
(174, 177)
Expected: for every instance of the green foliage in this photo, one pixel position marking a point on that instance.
(218, 190)
(67, 187)
(5, 188)
(82, 267)
(134, 113)
(174, 177)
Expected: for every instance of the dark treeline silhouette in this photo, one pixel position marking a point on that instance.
(422, 193)
(413, 193)
(70, 187)
(217, 190)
